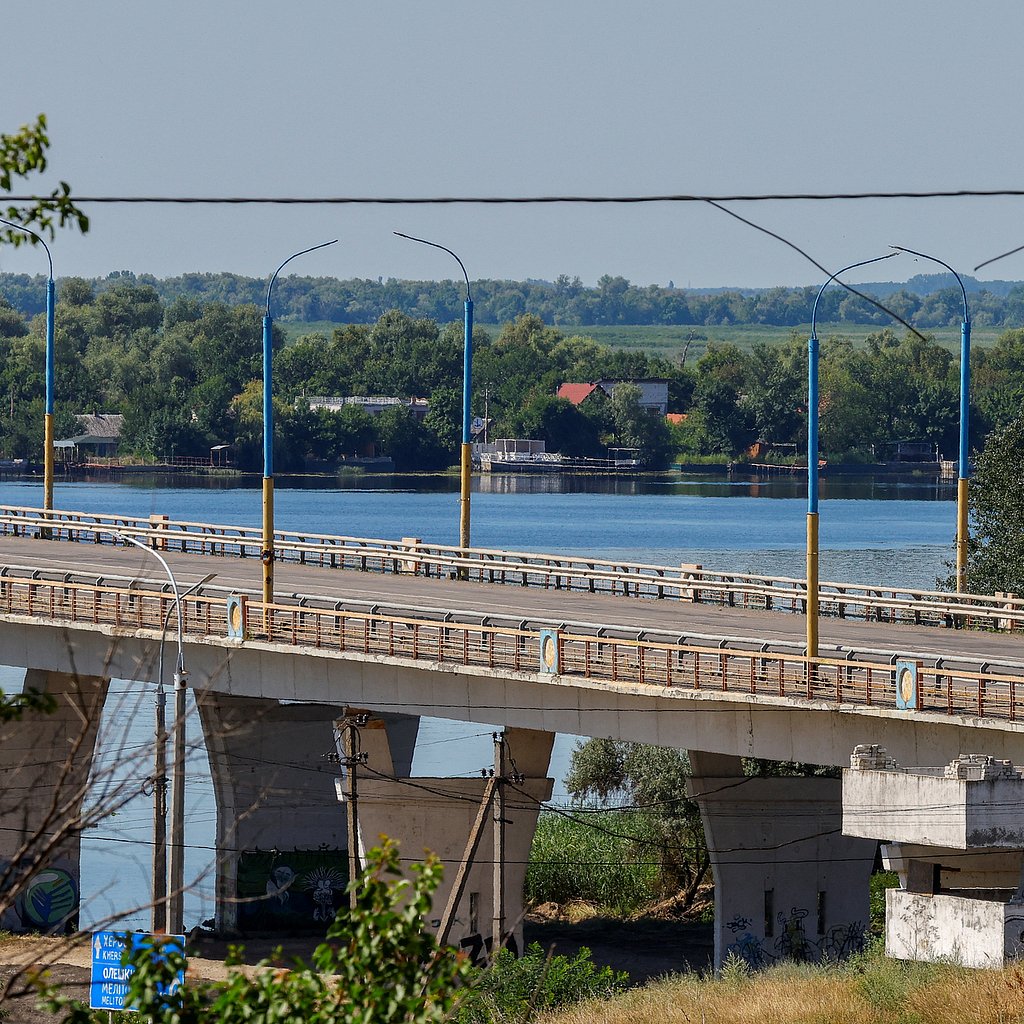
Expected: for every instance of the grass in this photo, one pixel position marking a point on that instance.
(868, 989)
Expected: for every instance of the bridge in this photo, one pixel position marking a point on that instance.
(537, 644)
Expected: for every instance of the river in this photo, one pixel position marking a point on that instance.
(887, 532)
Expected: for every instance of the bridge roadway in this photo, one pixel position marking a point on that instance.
(416, 596)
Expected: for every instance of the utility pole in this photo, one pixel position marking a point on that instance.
(176, 883)
(160, 816)
(350, 760)
(498, 819)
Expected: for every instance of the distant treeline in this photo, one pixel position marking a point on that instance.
(926, 301)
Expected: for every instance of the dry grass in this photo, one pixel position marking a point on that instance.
(869, 991)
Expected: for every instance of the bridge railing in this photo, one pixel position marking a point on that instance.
(690, 583)
(645, 663)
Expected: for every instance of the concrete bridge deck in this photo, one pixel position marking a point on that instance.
(470, 601)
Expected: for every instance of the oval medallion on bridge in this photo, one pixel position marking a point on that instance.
(906, 684)
(549, 650)
(236, 616)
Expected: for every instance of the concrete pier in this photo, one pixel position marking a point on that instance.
(281, 840)
(956, 839)
(788, 885)
(437, 814)
(45, 760)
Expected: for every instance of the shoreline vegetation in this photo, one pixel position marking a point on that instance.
(184, 374)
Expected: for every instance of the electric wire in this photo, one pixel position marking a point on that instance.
(523, 200)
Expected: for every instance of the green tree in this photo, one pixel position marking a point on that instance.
(721, 375)
(410, 443)
(445, 417)
(562, 426)
(22, 154)
(377, 965)
(652, 780)
(636, 427)
(995, 553)
(775, 391)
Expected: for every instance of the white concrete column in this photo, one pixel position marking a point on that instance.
(437, 815)
(281, 861)
(45, 760)
(788, 884)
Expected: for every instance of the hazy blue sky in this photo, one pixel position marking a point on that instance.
(407, 97)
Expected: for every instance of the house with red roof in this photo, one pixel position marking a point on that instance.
(653, 392)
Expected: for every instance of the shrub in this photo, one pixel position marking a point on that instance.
(378, 965)
(513, 991)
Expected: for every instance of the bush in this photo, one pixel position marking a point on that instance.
(880, 881)
(377, 965)
(513, 991)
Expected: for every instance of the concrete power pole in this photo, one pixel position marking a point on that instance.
(498, 819)
(351, 758)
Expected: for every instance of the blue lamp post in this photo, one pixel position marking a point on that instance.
(964, 471)
(48, 417)
(812, 462)
(267, 554)
(466, 462)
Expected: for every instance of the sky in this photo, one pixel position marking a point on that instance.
(532, 97)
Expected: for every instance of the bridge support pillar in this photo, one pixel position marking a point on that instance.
(45, 760)
(281, 844)
(437, 815)
(788, 884)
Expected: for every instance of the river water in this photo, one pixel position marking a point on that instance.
(887, 532)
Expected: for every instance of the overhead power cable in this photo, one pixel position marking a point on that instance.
(675, 197)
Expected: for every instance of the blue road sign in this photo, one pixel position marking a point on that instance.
(108, 988)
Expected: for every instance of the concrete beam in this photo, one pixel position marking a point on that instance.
(729, 723)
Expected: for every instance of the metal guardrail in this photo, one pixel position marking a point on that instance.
(632, 579)
(641, 662)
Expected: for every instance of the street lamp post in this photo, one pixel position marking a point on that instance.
(158, 917)
(48, 415)
(964, 471)
(175, 888)
(812, 463)
(466, 460)
(267, 553)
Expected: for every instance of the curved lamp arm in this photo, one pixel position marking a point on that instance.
(38, 238)
(301, 252)
(436, 245)
(862, 263)
(941, 263)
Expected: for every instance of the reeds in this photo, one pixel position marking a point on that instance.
(609, 861)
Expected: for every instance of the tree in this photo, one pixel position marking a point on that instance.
(995, 551)
(377, 965)
(562, 426)
(410, 443)
(24, 153)
(653, 780)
